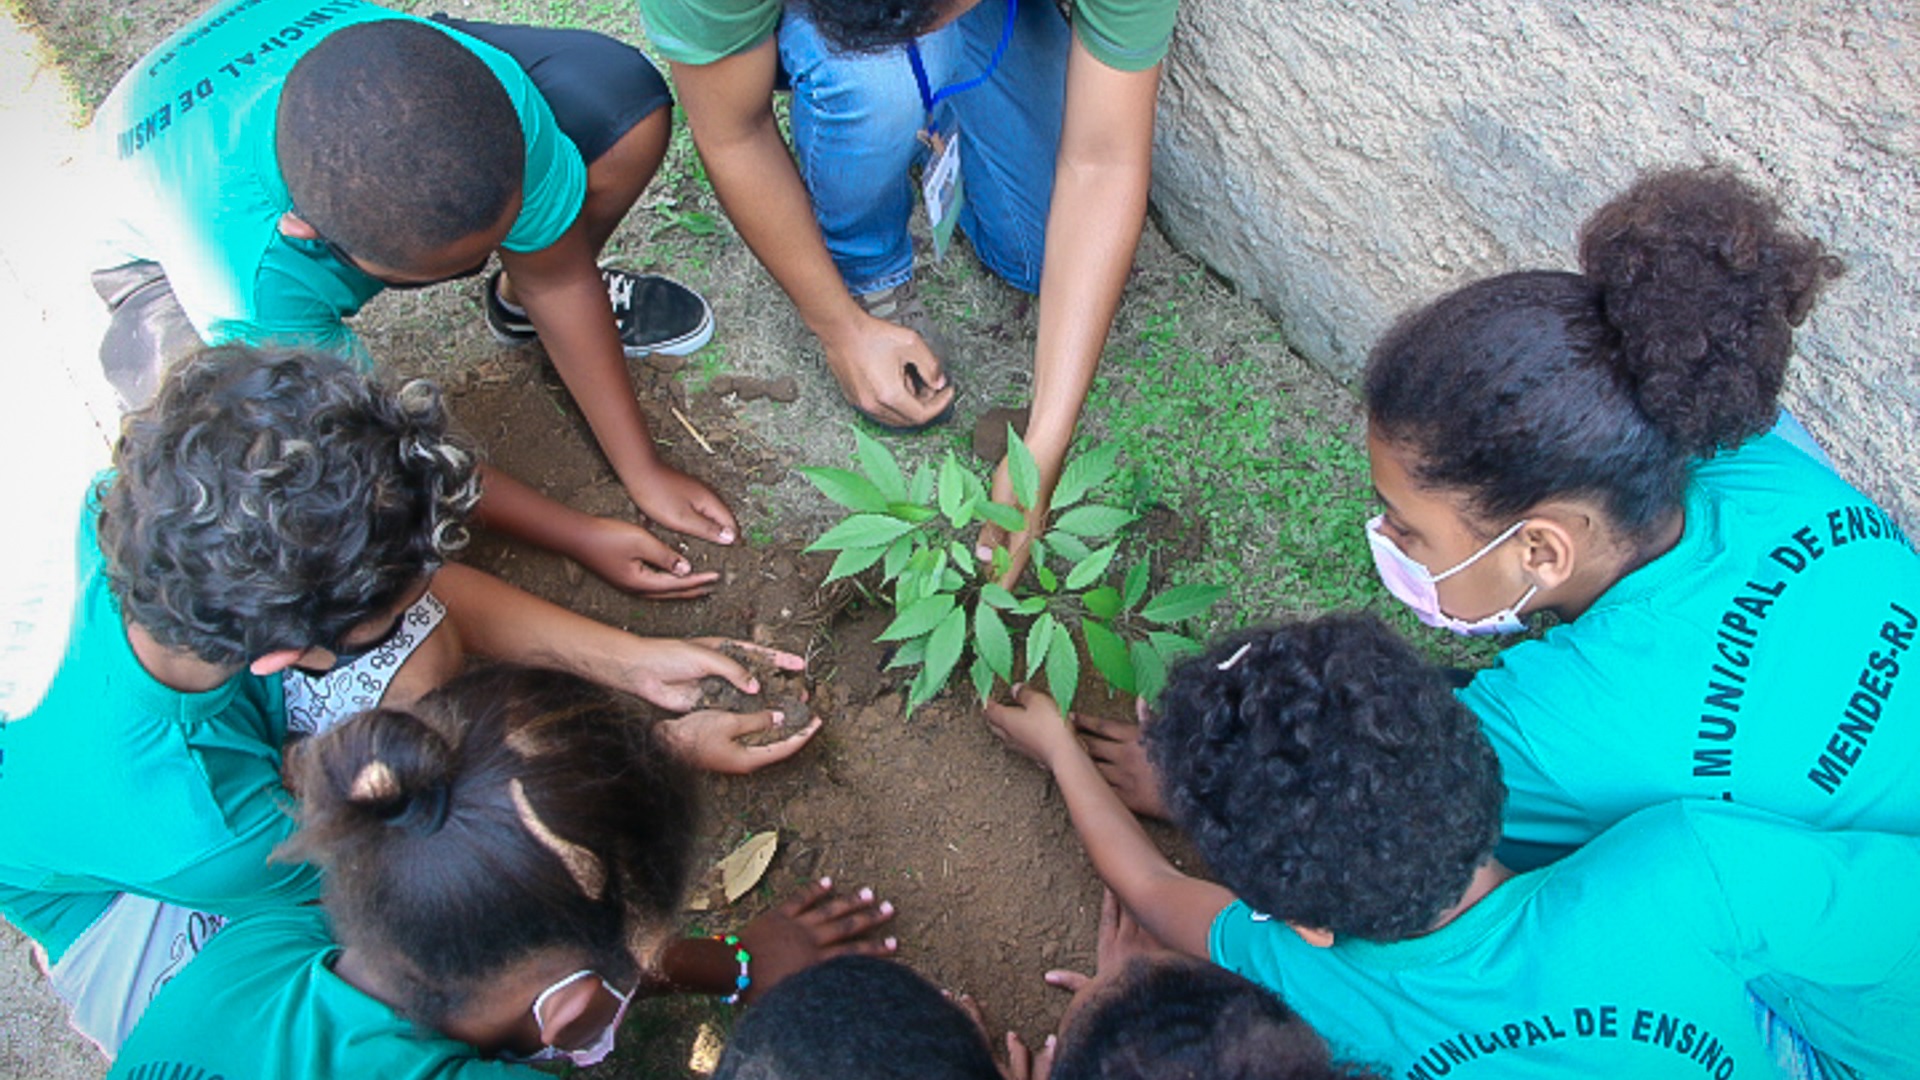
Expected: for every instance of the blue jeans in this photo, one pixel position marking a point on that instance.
(856, 118)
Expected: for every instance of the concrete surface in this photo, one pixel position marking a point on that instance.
(1343, 160)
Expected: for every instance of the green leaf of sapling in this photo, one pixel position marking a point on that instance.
(848, 488)
(1103, 602)
(953, 492)
(997, 595)
(852, 561)
(896, 558)
(1181, 602)
(919, 618)
(1084, 473)
(861, 531)
(912, 513)
(920, 492)
(1109, 656)
(1032, 605)
(1002, 515)
(982, 680)
(991, 640)
(1022, 470)
(1039, 640)
(1070, 547)
(922, 689)
(1090, 568)
(1048, 579)
(909, 653)
(1093, 521)
(945, 645)
(1172, 647)
(1136, 585)
(880, 466)
(1063, 668)
(1149, 670)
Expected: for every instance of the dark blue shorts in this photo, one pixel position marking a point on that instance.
(597, 87)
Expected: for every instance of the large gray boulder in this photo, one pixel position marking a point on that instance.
(1342, 160)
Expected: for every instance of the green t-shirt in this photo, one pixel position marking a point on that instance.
(117, 783)
(1126, 35)
(261, 1001)
(192, 176)
(1763, 660)
(1634, 957)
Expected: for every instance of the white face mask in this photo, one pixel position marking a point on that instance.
(602, 1044)
(1413, 585)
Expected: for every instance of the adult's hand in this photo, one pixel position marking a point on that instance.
(888, 372)
(667, 671)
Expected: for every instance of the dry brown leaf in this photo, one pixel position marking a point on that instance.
(740, 871)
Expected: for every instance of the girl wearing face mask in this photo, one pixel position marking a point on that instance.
(503, 869)
(1736, 620)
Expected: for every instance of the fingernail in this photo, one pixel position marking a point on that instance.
(983, 553)
(1050, 1041)
(826, 883)
(726, 536)
(886, 907)
(866, 894)
(753, 686)
(682, 567)
(779, 718)
(891, 943)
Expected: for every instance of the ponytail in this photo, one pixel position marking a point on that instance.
(1608, 384)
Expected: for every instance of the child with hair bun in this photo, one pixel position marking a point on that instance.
(504, 865)
(1734, 616)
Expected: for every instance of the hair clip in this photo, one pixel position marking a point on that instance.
(1238, 655)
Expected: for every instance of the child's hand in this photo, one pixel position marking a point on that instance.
(710, 740)
(629, 557)
(1116, 750)
(667, 672)
(684, 504)
(1031, 724)
(813, 925)
(1024, 1064)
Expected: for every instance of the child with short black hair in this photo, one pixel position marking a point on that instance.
(857, 1018)
(275, 164)
(1351, 806)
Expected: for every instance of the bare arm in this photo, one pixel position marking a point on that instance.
(1100, 185)
(561, 289)
(729, 106)
(1176, 908)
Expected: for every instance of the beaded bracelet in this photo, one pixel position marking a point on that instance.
(745, 979)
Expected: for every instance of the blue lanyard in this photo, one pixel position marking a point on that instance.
(929, 98)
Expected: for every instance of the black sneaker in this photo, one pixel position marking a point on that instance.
(655, 314)
(652, 314)
(509, 327)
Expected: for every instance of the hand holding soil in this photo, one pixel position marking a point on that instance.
(779, 686)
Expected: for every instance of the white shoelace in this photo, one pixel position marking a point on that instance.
(619, 292)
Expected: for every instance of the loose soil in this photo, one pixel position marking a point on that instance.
(969, 841)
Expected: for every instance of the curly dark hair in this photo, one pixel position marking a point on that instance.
(856, 1016)
(508, 812)
(276, 500)
(1328, 776)
(395, 140)
(1671, 344)
(1178, 1016)
(859, 26)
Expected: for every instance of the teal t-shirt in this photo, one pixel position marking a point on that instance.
(1764, 661)
(117, 783)
(188, 138)
(261, 1001)
(1640, 955)
(1126, 35)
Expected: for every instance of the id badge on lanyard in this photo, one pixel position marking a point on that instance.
(942, 185)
